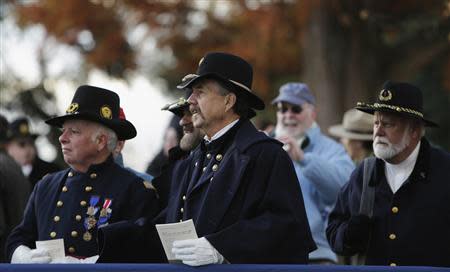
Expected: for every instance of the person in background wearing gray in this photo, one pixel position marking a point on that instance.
(398, 213)
(355, 133)
(321, 164)
(14, 190)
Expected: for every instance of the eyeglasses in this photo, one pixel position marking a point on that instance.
(294, 109)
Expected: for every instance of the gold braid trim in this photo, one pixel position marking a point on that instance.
(396, 108)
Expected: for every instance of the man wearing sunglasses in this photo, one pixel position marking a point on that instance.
(321, 164)
(22, 148)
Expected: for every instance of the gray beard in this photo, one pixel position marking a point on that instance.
(190, 141)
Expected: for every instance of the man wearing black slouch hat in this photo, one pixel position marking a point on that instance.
(72, 204)
(398, 213)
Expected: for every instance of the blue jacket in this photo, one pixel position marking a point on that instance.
(57, 207)
(326, 167)
(247, 203)
(410, 227)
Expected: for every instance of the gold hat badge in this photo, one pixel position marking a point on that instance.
(23, 128)
(105, 112)
(72, 108)
(385, 95)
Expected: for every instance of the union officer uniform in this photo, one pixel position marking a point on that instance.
(73, 205)
(410, 226)
(240, 189)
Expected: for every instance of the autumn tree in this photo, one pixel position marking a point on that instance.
(344, 49)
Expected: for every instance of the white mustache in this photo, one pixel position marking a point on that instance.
(381, 140)
(290, 122)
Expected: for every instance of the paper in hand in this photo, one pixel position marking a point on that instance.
(54, 247)
(168, 233)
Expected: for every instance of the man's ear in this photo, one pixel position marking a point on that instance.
(230, 100)
(101, 142)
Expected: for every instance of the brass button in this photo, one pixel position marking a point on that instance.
(196, 164)
(83, 203)
(74, 234)
(53, 234)
(93, 175)
(204, 169)
(71, 249)
(393, 264)
(208, 156)
(56, 218)
(88, 188)
(59, 203)
(182, 210)
(219, 157)
(70, 174)
(78, 217)
(392, 236)
(64, 189)
(215, 167)
(184, 197)
(394, 209)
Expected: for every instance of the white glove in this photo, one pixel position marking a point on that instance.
(72, 260)
(196, 252)
(24, 254)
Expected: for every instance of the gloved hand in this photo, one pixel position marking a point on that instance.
(24, 254)
(358, 231)
(196, 252)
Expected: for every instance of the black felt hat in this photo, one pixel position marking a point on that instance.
(97, 105)
(180, 105)
(20, 128)
(232, 71)
(400, 98)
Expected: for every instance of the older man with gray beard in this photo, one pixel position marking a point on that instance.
(321, 164)
(410, 224)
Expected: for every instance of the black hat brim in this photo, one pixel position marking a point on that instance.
(254, 101)
(369, 108)
(123, 128)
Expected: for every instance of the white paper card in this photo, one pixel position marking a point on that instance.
(168, 233)
(54, 247)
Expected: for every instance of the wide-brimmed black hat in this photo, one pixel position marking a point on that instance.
(20, 128)
(178, 107)
(400, 98)
(230, 70)
(97, 105)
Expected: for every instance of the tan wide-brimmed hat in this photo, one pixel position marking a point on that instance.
(356, 125)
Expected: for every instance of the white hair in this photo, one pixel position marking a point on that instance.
(111, 136)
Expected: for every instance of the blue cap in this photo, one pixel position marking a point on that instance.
(295, 93)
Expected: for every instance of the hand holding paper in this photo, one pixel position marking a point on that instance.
(196, 252)
(24, 254)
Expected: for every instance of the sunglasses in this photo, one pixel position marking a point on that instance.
(294, 109)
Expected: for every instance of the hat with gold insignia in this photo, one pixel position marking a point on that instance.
(98, 105)
(177, 107)
(400, 98)
(20, 128)
(230, 70)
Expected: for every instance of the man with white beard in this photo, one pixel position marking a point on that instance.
(322, 165)
(410, 224)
